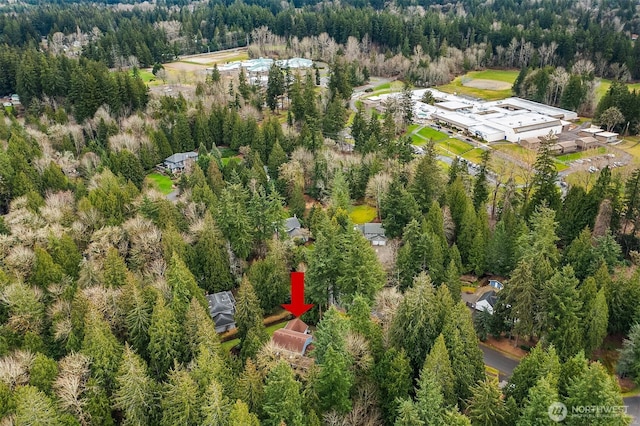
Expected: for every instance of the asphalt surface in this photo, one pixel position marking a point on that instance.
(505, 365)
(499, 361)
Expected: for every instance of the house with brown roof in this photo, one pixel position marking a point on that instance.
(293, 337)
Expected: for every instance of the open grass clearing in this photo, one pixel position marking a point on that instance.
(161, 182)
(604, 85)
(582, 154)
(433, 134)
(455, 146)
(474, 155)
(511, 148)
(229, 344)
(362, 214)
(507, 76)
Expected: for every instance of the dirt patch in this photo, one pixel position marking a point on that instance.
(479, 83)
(506, 346)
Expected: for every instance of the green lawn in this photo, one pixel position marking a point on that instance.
(583, 154)
(604, 85)
(226, 160)
(226, 152)
(508, 76)
(146, 76)
(455, 146)
(433, 134)
(362, 214)
(161, 182)
(412, 127)
(511, 148)
(561, 166)
(229, 344)
(475, 155)
(382, 87)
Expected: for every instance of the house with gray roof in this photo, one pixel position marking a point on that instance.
(374, 232)
(179, 161)
(222, 307)
(486, 302)
(294, 229)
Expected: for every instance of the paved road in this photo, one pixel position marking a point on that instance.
(499, 361)
(506, 365)
(173, 195)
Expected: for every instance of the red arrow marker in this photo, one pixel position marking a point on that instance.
(297, 306)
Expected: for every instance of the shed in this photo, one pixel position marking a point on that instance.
(297, 325)
(586, 142)
(590, 131)
(292, 340)
(568, 146)
(607, 137)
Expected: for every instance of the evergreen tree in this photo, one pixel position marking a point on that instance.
(180, 403)
(538, 364)
(561, 313)
(102, 347)
(522, 295)
(270, 278)
(282, 400)
(275, 87)
(595, 315)
(393, 377)
(414, 326)
(216, 407)
(398, 208)
(595, 388)
(427, 182)
(408, 414)
(211, 260)
(183, 287)
(429, 401)
(165, 339)
(438, 364)
(536, 408)
(135, 390)
(629, 361)
(182, 140)
(42, 373)
(486, 406)
(115, 269)
(480, 187)
(251, 387)
(248, 319)
(240, 415)
(33, 407)
(335, 381)
(233, 219)
(545, 191)
(277, 157)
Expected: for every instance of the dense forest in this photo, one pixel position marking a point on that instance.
(103, 277)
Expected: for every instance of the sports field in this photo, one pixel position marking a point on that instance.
(487, 84)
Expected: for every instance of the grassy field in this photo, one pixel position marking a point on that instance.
(474, 155)
(508, 76)
(632, 146)
(161, 182)
(604, 85)
(583, 154)
(229, 344)
(454, 146)
(504, 76)
(362, 214)
(511, 148)
(433, 134)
